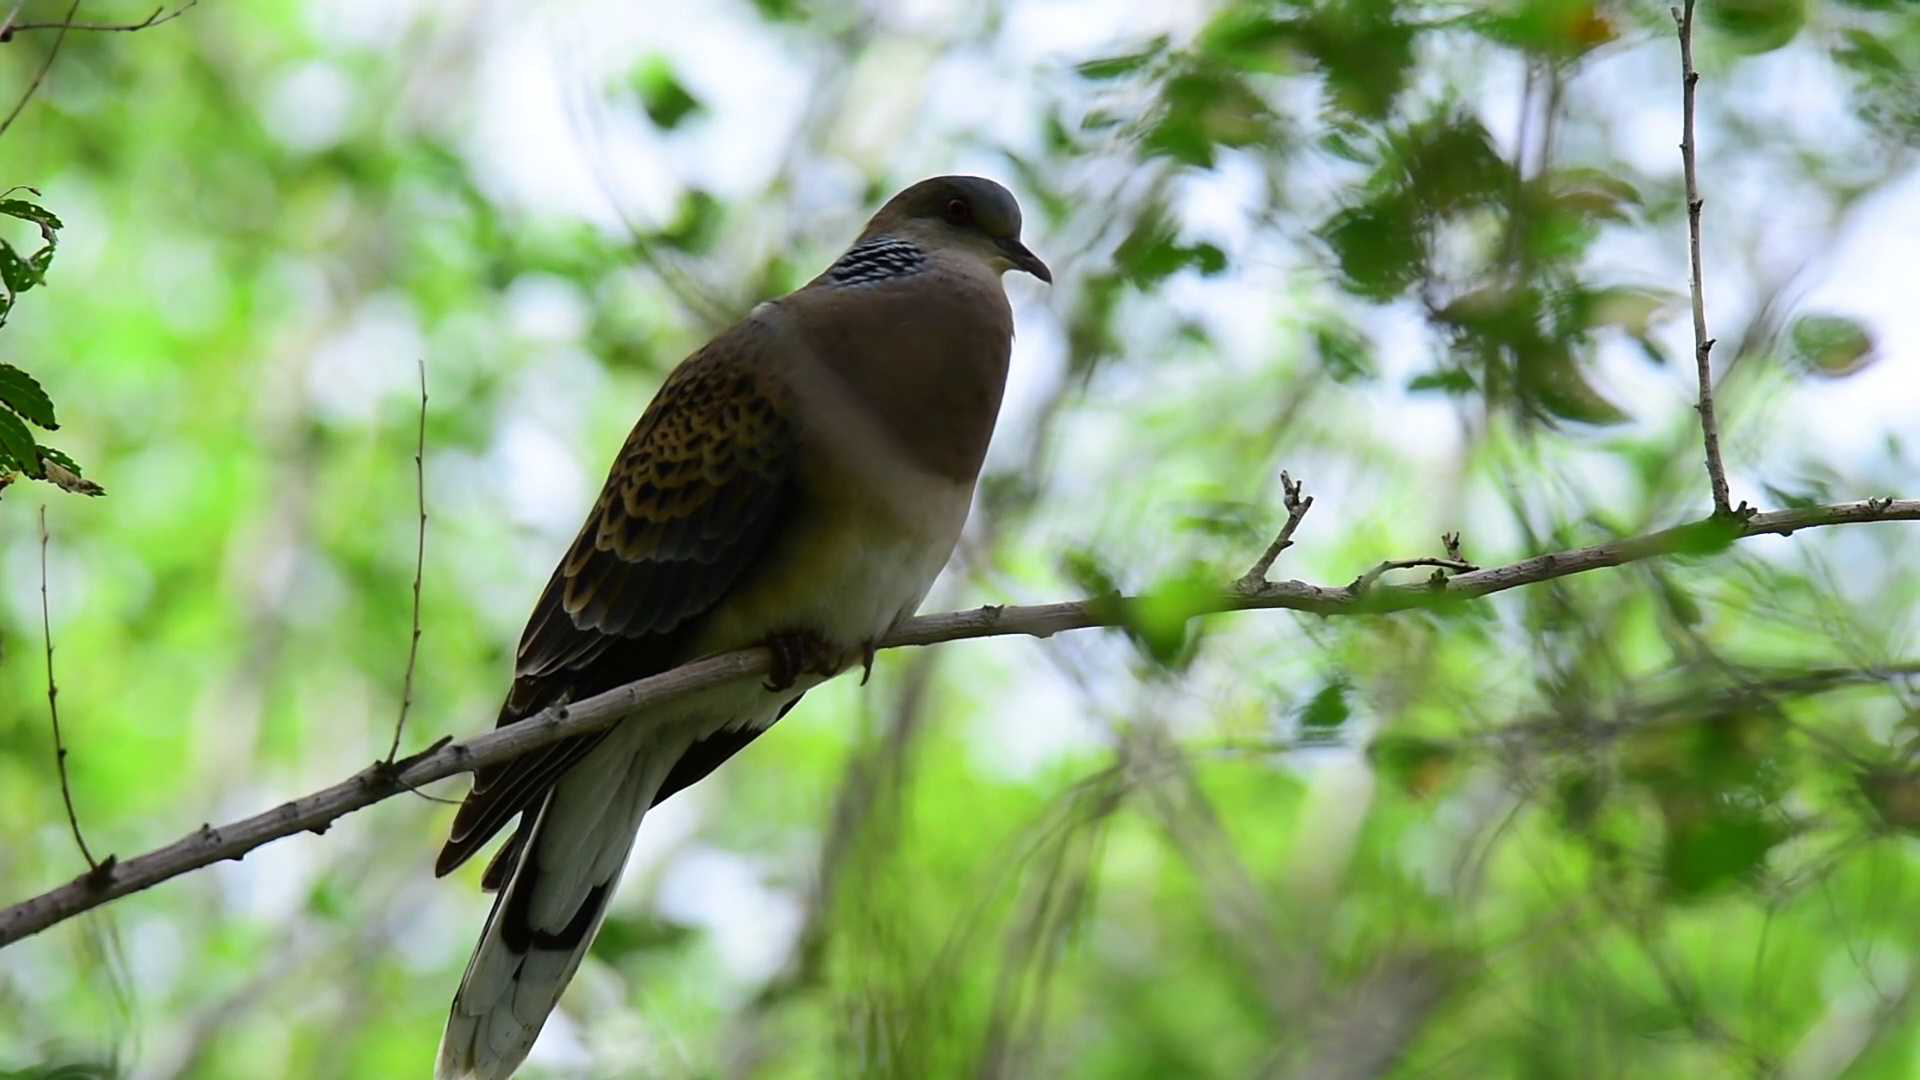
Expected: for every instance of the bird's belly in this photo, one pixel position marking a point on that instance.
(847, 571)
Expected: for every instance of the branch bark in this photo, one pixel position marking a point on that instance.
(53, 708)
(1702, 344)
(381, 780)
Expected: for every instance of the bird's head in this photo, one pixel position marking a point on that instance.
(961, 213)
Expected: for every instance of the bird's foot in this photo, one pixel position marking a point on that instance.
(797, 653)
(867, 649)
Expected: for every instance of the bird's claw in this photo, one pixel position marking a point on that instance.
(797, 653)
(867, 649)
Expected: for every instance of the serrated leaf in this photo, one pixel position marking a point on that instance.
(23, 392)
(64, 478)
(16, 273)
(39, 215)
(18, 451)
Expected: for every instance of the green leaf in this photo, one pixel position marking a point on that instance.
(1450, 381)
(1756, 26)
(1555, 383)
(1152, 253)
(1715, 850)
(18, 452)
(23, 393)
(1345, 353)
(1202, 109)
(1381, 246)
(1678, 602)
(1421, 766)
(1114, 67)
(696, 223)
(1328, 709)
(16, 273)
(1790, 500)
(1560, 29)
(665, 98)
(1161, 620)
(39, 215)
(1831, 346)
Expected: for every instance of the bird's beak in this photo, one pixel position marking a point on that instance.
(1023, 259)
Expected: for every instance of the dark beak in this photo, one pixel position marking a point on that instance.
(1026, 260)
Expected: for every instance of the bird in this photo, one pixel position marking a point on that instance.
(797, 484)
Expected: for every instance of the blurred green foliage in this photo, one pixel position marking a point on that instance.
(1651, 821)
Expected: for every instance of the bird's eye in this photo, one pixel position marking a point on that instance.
(958, 212)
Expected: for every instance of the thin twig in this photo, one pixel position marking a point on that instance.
(1702, 344)
(45, 66)
(419, 561)
(1297, 508)
(53, 705)
(1365, 581)
(633, 702)
(160, 15)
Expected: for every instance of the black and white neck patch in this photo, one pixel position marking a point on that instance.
(877, 260)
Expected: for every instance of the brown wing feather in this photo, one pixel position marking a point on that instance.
(692, 501)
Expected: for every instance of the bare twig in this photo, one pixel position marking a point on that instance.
(1297, 508)
(1459, 566)
(632, 702)
(1702, 344)
(53, 708)
(160, 15)
(45, 65)
(419, 561)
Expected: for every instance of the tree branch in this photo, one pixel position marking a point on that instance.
(1702, 344)
(53, 712)
(1297, 507)
(378, 781)
(419, 562)
(160, 15)
(45, 65)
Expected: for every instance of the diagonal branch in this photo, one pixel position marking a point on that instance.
(46, 65)
(378, 781)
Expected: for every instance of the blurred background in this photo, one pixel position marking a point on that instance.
(1431, 257)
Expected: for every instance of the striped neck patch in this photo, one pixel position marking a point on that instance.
(877, 260)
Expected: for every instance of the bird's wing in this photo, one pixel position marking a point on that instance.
(694, 498)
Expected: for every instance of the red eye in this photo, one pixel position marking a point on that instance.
(958, 212)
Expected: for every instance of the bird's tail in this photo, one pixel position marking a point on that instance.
(553, 903)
